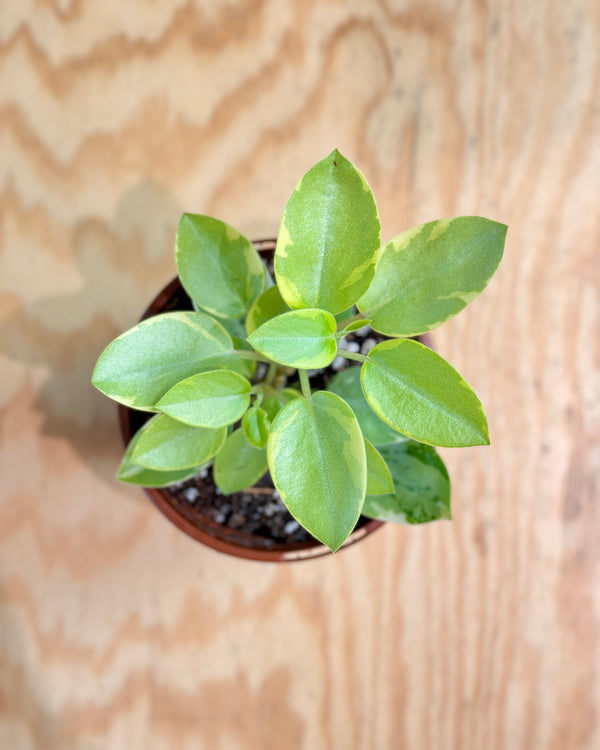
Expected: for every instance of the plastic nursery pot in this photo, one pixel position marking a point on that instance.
(201, 526)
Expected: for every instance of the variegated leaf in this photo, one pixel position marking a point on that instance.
(421, 486)
(318, 464)
(143, 363)
(429, 274)
(329, 238)
(209, 399)
(346, 384)
(299, 338)
(379, 479)
(421, 395)
(219, 268)
(256, 424)
(140, 475)
(169, 445)
(267, 306)
(239, 464)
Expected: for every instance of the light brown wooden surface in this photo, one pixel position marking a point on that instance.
(116, 631)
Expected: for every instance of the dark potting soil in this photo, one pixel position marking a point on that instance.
(257, 510)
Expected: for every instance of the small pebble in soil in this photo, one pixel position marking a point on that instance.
(237, 520)
(367, 345)
(191, 493)
(261, 514)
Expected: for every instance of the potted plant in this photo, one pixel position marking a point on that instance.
(243, 383)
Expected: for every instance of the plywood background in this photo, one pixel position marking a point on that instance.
(116, 631)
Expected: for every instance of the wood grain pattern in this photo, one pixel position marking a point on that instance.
(116, 631)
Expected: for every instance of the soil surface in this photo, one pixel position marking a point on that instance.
(257, 510)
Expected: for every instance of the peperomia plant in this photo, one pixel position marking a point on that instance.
(230, 382)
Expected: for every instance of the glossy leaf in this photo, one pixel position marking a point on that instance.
(356, 325)
(239, 464)
(209, 399)
(272, 405)
(140, 475)
(236, 330)
(169, 445)
(345, 314)
(429, 274)
(142, 364)
(256, 425)
(300, 338)
(346, 384)
(329, 238)
(421, 395)
(318, 464)
(267, 306)
(421, 486)
(219, 268)
(379, 479)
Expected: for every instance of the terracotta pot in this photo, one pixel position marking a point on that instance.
(189, 520)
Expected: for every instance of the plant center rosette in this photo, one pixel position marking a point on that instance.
(236, 384)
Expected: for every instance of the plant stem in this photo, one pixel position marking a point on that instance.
(304, 382)
(271, 373)
(352, 355)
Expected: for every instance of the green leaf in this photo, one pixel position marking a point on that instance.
(272, 405)
(234, 327)
(318, 464)
(379, 479)
(418, 393)
(239, 464)
(300, 338)
(421, 486)
(345, 314)
(267, 306)
(256, 425)
(143, 363)
(140, 475)
(209, 399)
(346, 384)
(169, 445)
(429, 274)
(289, 394)
(356, 325)
(329, 238)
(218, 267)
